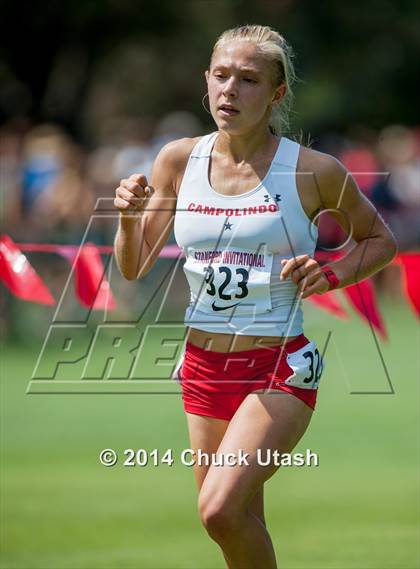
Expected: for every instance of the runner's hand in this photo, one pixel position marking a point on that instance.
(306, 273)
(132, 194)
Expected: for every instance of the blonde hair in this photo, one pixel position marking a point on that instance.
(271, 45)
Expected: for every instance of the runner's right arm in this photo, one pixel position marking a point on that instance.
(147, 211)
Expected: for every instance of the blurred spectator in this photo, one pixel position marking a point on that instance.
(11, 137)
(42, 162)
(50, 185)
(398, 196)
(178, 124)
(361, 162)
(56, 199)
(134, 151)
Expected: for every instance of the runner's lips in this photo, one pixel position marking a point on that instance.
(228, 109)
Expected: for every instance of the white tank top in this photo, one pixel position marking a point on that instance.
(234, 244)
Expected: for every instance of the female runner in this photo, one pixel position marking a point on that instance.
(243, 202)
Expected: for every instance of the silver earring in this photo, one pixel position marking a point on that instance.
(204, 106)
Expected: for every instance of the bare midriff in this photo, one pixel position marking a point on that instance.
(227, 343)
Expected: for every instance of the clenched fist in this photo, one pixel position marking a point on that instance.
(306, 273)
(132, 194)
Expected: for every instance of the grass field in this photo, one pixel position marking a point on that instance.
(359, 509)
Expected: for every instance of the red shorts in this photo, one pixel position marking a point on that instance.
(215, 383)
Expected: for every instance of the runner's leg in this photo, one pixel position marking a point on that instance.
(206, 433)
(273, 421)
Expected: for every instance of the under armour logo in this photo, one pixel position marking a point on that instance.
(278, 198)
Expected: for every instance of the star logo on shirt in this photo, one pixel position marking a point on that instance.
(228, 225)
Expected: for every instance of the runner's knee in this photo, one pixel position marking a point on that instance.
(219, 516)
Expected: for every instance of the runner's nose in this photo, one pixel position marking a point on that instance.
(231, 88)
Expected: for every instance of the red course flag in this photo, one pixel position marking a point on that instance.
(362, 297)
(19, 276)
(411, 266)
(330, 303)
(92, 288)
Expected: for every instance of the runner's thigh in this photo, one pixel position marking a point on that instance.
(207, 433)
(273, 420)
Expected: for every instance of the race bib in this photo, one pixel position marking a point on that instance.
(307, 365)
(234, 281)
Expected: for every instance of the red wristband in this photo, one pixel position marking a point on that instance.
(332, 278)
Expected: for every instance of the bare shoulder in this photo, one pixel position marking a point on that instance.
(170, 163)
(320, 163)
(329, 175)
(178, 151)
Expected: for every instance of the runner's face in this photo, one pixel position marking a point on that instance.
(240, 78)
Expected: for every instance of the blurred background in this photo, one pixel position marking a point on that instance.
(89, 92)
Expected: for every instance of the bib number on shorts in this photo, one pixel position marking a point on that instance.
(307, 365)
(230, 280)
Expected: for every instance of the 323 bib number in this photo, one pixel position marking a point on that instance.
(242, 274)
(235, 280)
